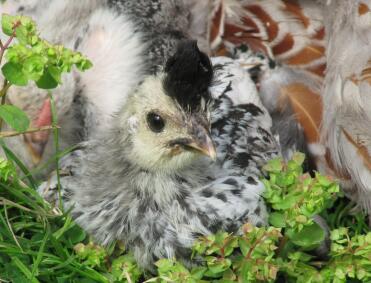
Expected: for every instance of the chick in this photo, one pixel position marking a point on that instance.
(150, 180)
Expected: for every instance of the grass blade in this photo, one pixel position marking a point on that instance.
(40, 253)
(12, 157)
(19, 264)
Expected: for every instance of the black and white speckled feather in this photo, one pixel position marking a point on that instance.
(271, 76)
(160, 213)
(240, 123)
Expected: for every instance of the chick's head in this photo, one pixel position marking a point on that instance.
(168, 117)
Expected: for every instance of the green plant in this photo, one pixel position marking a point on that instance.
(30, 58)
(296, 198)
(36, 242)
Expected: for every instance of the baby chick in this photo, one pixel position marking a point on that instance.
(146, 180)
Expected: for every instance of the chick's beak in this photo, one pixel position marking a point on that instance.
(198, 140)
(207, 148)
(201, 142)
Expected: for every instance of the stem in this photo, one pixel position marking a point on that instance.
(5, 46)
(4, 201)
(31, 130)
(257, 242)
(6, 86)
(56, 145)
(10, 228)
(3, 93)
(281, 245)
(127, 277)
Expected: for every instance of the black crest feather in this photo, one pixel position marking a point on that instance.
(189, 74)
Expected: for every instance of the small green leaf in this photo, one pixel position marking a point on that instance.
(274, 165)
(323, 180)
(217, 265)
(309, 237)
(47, 80)
(298, 158)
(22, 34)
(198, 272)
(244, 246)
(34, 67)
(164, 265)
(7, 24)
(14, 74)
(84, 65)
(277, 220)
(287, 202)
(125, 266)
(56, 73)
(230, 246)
(75, 234)
(14, 117)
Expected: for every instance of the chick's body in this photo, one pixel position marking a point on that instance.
(123, 186)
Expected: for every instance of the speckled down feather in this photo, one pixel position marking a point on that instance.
(160, 215)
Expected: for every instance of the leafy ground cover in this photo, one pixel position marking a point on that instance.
(39, 243)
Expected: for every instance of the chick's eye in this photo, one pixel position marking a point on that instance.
(155, 122)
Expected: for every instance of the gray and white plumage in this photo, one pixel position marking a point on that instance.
(157, 210)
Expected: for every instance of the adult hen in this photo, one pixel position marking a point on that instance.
(347, 96)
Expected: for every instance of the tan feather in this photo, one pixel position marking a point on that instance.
(216, 26)
(366, 73)
(308, 54)
(361, 149)
(363, 9)
(307, 106)
(320, 34)
(271, 25)
(340, 173)
(285, 45)
(294, 8)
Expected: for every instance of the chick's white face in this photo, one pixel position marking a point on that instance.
(163, 136)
